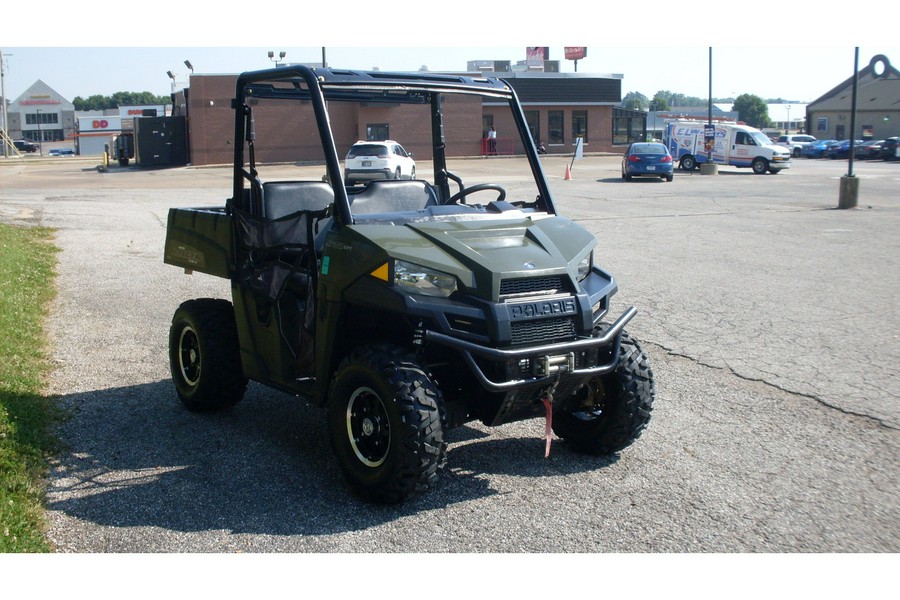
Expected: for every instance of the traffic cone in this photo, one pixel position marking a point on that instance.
(568, 173)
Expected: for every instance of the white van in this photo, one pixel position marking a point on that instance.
(733, 144)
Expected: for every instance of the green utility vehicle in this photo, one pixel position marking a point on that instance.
(404, 307)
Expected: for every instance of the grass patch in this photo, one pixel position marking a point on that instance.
(27, 271)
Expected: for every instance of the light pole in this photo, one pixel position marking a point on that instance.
(188, 64)
(40, 133)
(788, 128)
(281, 56)
(3, 111)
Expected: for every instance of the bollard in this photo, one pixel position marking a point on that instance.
(849, 192)
(709, 168)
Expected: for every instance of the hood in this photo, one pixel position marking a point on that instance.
(482, 253)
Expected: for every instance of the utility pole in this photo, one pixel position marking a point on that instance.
(5, 127)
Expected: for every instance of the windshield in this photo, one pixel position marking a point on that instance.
(426, 155)
(760, 138)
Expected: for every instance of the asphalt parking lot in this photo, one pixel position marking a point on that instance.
(770, 317)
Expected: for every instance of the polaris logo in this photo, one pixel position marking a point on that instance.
(560, 306)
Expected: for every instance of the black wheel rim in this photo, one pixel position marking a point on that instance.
(368, 427)
(189, 356)
(593, 407)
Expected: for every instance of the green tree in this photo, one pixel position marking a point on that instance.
(752, 110)
(635, 101)
(660, 101)
(99, 102)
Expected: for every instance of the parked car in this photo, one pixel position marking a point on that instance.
(367, 161)
(842, 149)
(816, 149)
(795, 142)
(66, 152)
(53, 152)
(25, 146)
(647, 159)
(890, 150)
(871, 149)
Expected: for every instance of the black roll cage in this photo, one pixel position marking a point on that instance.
(319, 86)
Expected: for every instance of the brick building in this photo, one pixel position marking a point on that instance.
(559, 108)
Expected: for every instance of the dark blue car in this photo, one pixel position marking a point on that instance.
(842, 149)
(647, 159)
(817, 149)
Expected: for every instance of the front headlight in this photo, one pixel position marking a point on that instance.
(584, 267)
(416, 279)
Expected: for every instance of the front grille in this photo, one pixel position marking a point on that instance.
(531, 285)
(542, 331)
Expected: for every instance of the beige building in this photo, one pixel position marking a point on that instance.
(41, 115)
(877, 105)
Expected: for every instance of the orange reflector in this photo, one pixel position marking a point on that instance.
(381, 272)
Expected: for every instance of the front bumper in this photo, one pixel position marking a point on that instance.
(554, 361)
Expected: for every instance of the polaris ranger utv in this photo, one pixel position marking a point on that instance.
(403, 307)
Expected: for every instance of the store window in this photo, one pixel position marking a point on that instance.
(628, 126)
(41, 118)
(377, 132)
(822, 124)
(579, 125)
(555, 125)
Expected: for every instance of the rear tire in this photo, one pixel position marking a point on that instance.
(612, 410)
(205, 356)
(688, 163)
(670, 177)
(386, 421)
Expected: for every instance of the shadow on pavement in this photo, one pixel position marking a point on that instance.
(135, 457)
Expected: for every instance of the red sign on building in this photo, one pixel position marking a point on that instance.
(575, 52)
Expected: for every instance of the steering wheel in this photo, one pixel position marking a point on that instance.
(478, 187)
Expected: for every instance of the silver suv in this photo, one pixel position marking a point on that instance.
(367, 161)
(795, 142)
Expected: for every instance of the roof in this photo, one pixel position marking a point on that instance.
(873, 92)
(548, 89)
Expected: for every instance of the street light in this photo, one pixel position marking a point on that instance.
(40, 133)
(188, 64)
(789, 119)
(281, 56)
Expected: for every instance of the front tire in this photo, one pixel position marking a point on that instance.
(760, 166)
(205, 356)
(386, 421)
(612, 410)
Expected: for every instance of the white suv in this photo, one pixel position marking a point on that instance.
(795, 142)
(386, 159)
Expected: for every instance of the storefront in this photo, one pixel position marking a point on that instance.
(41, 115)
(95, 133)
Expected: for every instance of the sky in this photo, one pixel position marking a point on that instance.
(132, 49)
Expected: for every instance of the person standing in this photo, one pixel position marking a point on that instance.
(492, 141)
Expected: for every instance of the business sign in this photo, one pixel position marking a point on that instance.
(575, 52)
(100, 123)
(142, 111)
(536, 55)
